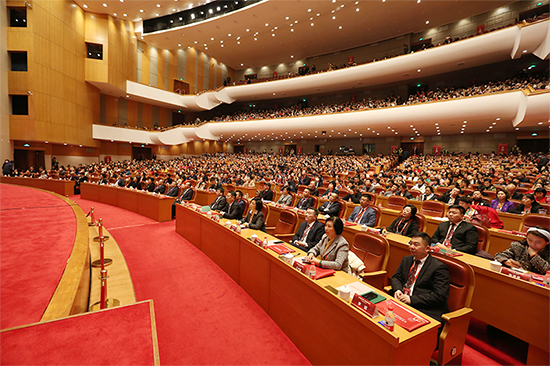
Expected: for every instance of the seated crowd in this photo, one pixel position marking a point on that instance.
(536, 81)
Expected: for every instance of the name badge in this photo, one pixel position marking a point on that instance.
(365, 305)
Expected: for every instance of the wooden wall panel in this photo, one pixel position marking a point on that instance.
(147, 115)
(212, 73)
(132, 113)
(219, 76)
(111, 110)
(172, 69)
(163, 122)
(146, 64)
(161, 67)
(191, 69)
(200, 72)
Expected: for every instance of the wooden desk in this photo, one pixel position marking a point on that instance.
(324, 327)
(204, 197)
(62, 187)
(155, 207)
(497, 300)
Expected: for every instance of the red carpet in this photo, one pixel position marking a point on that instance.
(37, 232)
(203, 317)
(118, 336)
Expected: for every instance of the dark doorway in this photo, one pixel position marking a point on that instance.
(141, 153)
(413, 148)
(534, 145)
(238, 149)
(24, 159)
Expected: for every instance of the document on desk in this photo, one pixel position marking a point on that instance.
(358, 288)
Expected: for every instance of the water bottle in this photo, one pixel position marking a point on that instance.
(312, 271)
(546, 279)
(264, 243)
(389, 318)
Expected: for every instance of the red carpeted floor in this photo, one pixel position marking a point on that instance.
(203, 317)
(37, 232)
(118, 336)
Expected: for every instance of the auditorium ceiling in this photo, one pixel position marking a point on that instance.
(278, 31)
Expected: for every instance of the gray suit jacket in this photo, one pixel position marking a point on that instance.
(336, 256)
(368, 218)
(286, 200)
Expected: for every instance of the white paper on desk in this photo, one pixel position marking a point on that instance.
(357, 287)
(274, 242)
(440, 218)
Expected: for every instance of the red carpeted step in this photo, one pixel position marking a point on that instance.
(117, 336)
(37, 233)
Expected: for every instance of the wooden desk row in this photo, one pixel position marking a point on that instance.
(158, 208)
(498, 299)
(62, 187)
(324, 327)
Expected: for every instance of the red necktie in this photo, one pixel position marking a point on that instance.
(306, 231)
(412, 274)
(447, 241)
(358, 218)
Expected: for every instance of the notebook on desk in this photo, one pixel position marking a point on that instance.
(280, 248)
(404, 317)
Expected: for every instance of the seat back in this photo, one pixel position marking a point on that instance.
(343, 192)
(483, 237)
(287, 222)
(396, 202)
(379, 189)
(265, 210)
(433, 208)
(315, 201)
(342, 212)
(531, 220)
(421, 221)
(442, 190)
(377, 210)
(246, 204)
(415, 193)
(230, 187)
(462, 282)
(491, 194)
(301, 188)
(373, 250)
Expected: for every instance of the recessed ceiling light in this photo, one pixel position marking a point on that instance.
(340, 27)
(427, 22)
(158, 5)
(287, 18)
(292, 30)
(357, 9)
(141, 10)
(248, 30)
(115, 14)
(179, 44)
(419, 70)
(125, 15)
(156, 15)
(498, 119)
(333, 17)
(309, 10)
(85, 6)
(105, 5)
(312, 24)
(267, 24)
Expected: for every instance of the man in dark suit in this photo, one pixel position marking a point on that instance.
(173, 190)
(332, 206)
(511, 188)
(310, 231)
(461, 235)
(364, 214)
(267, 193)
(354, 196)
(186, 195)
(404, 192)
(304, 179)
(306, 201)
(312, 189)
(477, 199)
(219, 202)
(452, 197)
(421, 280)
(232, 210)
(161, 188)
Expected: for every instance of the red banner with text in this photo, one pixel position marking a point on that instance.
(437, 149)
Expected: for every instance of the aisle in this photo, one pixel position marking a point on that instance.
(203, 317)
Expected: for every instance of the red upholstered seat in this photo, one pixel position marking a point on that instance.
(378, 189)
(483, 237)
(286, 225)
(421, 221)
(456, 322)
(531, 220)
(301, 188)
(374, 251)
(433, 208)
(342, 211)
(321, 190)
(396, 202)
(377, 210)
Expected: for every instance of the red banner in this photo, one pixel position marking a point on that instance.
(353, 98)
(394, 149)
(108, 159)
(480, 29)
(503, 148)
(274, 74)
(350, 59)
(437, 149)
(244, 149)
(298, 149)
(280, 151)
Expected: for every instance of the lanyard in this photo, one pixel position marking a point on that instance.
(400, 232)
(417, 273)
(325, 255)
